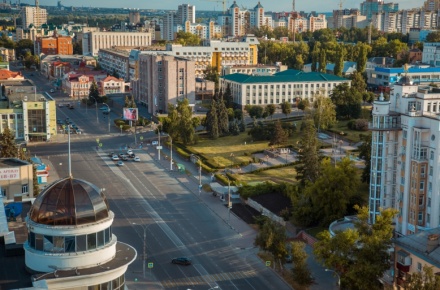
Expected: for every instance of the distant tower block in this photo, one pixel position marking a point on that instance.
(134, 16)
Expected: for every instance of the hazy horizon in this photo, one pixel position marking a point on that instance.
(281, 5)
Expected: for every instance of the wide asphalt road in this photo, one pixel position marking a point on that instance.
(176, 222)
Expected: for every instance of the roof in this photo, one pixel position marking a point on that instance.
(10, 75)
(349, 66)
(110, 78)
(258, 5)
(284, 77)
(234, 5)
(8, 162)
(69, 202)
(417, 244)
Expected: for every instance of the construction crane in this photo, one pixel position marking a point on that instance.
(340, 4)
(219, 1)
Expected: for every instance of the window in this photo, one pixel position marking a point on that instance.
(24, 188)
(419, 267)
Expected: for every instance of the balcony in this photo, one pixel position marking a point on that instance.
(403, 268)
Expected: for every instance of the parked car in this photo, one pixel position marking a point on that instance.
(120, 163)
(60, 105)
(52, 90)
(129, 151)
(78, 131)
(115, 158)
(154, 143)
(125, 157)
(132, 155)
(111, 154)
(181, 261)
(137, 159)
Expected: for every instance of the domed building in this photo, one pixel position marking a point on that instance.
(70, 241)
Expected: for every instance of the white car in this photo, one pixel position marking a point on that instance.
(129, 152)
(115, 158)
(154, 143)
(60, 105)
(120, 163)
(52, 90)
(137, 159)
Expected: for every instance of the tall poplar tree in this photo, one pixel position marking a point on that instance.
(222, 116)
(212, 121)
(308, 156)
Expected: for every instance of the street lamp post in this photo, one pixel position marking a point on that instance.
(200, 172)
(158, 147)
(337, 274)
(232, 156)
(171, 154)
(108, 116)
(144, 251)
(229, 200)
(96, 106)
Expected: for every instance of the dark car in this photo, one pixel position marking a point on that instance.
(181, 261)
(111, 154)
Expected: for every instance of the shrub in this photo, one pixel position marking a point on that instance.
(361, 125)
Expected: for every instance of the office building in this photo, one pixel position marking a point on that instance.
(114, 60)
(164, 79)
(94, 41)
(405, 157)
(285, 86)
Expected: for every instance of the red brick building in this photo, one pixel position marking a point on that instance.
(52, 45)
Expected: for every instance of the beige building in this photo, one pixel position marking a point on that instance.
(94, 41)
(262, 70)
(30, 116)
(33, 15)
(16, 178)
(413, 252)
(164, 79)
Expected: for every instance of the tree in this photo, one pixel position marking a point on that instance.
(315, 56)
(272, 238)
(361, 255)
(322, 61)
(333, 190)
(423, 280)
(7, 143)
(222, 117)
(308, 156)
(130, 102)
(303, 104)
(24, 45)
(300, 271)
(286, 108)
(256, 111)
(361, 61)
(324, 113)
(339, 64)
(187, 39)
(279, 136)
(358, 82)
(94, 92)
(270, 110)
(365, 153)
(181, 124)
(227, 96)
(211, 74)
(348, 101)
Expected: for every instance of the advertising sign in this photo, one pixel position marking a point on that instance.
(9, 173)
(130, 114)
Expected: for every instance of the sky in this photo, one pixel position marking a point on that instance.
(269, 5)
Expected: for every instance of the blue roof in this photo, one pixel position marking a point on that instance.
(347, 66)
(286, 76)
(410, 70)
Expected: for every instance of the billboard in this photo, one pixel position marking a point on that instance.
(9, 173)
(130, 114)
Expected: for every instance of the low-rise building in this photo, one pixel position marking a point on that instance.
(420, 74)
(285, 86)
(53, 45)
(77, 85)
(16, 178)
(111, 85)
(413, 252)
(7, 54)
(348, 69)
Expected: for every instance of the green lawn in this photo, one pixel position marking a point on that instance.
(278, 175)
(232, 149)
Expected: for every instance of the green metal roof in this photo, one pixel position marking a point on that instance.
(287, 76)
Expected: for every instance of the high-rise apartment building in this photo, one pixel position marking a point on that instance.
(370, 7)
(33, 15)
(186, 12)
(431, 5)
(405, 156)
(404, 20)
(134, 17)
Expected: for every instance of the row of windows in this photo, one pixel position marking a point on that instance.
(12, 116)
(115, 284)
(69, 244)
(300, 86)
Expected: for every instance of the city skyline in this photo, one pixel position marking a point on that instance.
(282, 5)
